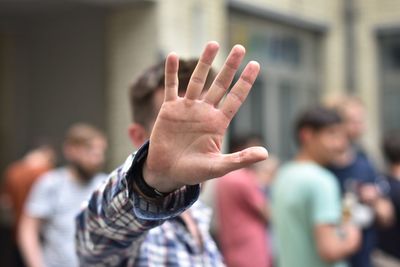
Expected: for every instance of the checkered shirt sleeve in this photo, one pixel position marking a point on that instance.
(114, 223)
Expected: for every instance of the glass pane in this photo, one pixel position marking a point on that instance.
(390, 81)
(289, 79)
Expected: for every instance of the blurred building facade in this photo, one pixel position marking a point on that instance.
(67, 61)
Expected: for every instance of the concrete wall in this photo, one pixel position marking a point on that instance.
(131, 47)
(185, 26)
(54, 75)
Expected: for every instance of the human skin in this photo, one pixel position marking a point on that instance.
(186, 141)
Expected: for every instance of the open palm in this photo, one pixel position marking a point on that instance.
(185, 144)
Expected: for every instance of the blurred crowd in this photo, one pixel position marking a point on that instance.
(43, 199)
(328, 206)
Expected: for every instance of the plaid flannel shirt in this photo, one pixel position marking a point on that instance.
(120, 228)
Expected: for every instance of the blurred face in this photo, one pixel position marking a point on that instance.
(87, 159)
(354, 121)
(327, 144)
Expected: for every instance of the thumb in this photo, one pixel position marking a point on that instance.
(241, 159)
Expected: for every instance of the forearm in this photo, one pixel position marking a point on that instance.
(32, 253)
(335, 244)
(100, 233)
(347, 240)
(112, 226)
(335, 250)
(30, 246)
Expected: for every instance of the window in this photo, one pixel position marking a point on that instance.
(288, 82)
(390, 81)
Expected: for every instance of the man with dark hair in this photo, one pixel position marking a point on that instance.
(46, 231)
(389, 238)
(147, 214)
(305, 198)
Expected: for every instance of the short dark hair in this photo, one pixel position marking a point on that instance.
(391, 146)
(316, 119)
(143, 89)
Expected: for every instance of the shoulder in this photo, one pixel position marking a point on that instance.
(306, 175)
(391, 183)
(52, 178)
(304, 170)
(236, 185)
(238, 177)
(14, 170)
(362, 168)
(361, 162)
(45, 193)
(324, 177)
(101, 177)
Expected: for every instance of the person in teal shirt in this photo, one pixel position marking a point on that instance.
(306, 205)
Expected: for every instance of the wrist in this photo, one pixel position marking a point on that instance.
(160, 184)
(136, 179)
(145, 190)
(352, 238)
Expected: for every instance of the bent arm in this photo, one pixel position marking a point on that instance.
(335, 244)
(113, 225)
(29, 242)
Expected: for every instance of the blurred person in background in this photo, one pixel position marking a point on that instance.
(389, 237)
(266, 173)
(47, 227)
(243, 211)
(149, 205)
(357, 176)
(18, 180)
(306, 206)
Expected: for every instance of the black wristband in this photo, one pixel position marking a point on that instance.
(138, 180)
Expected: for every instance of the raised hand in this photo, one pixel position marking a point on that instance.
(185, 144)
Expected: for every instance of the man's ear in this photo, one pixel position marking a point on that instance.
(137, 134)
(305, 135)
